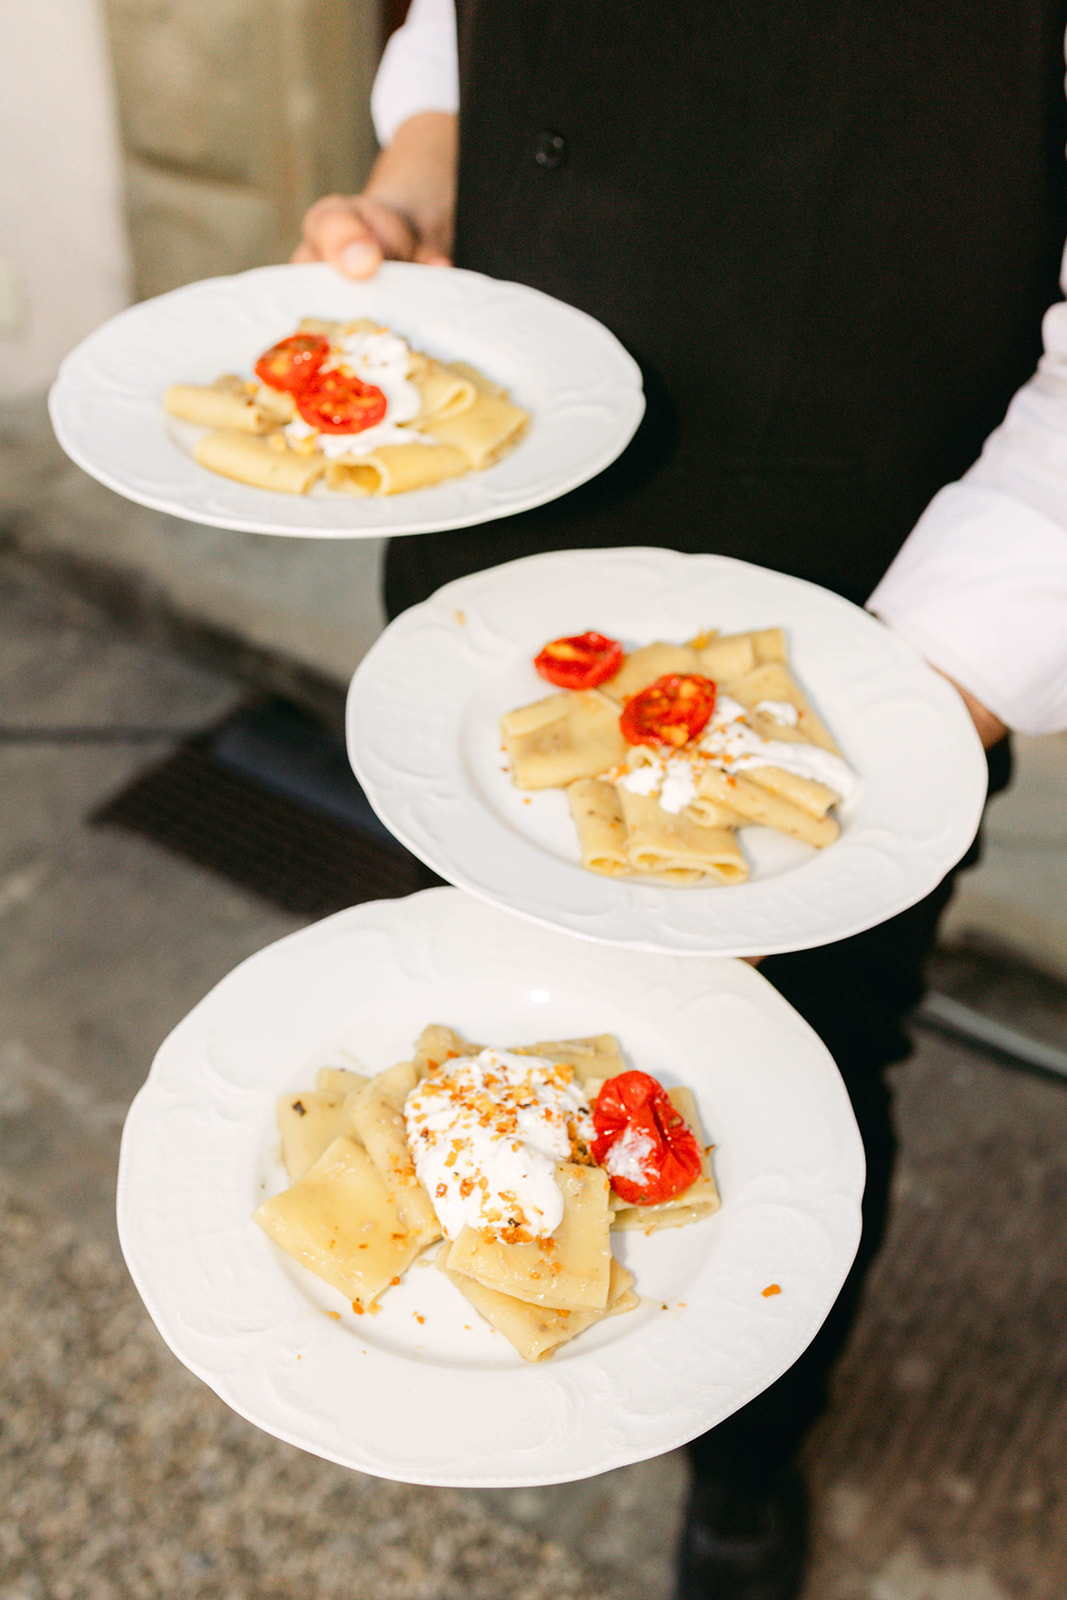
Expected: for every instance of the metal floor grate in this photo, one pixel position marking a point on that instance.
(267, 801)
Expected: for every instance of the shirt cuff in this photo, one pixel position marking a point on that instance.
(980, 588)
(419, 69)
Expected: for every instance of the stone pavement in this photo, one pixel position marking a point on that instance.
(939, 1473)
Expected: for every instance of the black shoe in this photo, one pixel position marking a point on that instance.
(744, 1543)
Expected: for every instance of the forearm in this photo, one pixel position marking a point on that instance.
(404, 214)
(416, 177)
(989, 727)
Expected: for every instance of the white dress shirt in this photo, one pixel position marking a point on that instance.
(418, 69)
(980, 585)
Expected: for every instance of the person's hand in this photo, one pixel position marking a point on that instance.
(406, 211)
(356, 233)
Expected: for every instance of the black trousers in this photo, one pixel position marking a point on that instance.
(857, 994)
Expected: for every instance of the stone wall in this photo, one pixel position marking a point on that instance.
(64, 263)
(234, 116)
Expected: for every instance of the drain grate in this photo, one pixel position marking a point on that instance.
(289, 823)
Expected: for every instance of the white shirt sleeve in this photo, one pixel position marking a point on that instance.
(419, 70)
(980, 585)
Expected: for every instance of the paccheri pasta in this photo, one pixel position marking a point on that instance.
(518, 1163)
(666, 753)
(350, 405)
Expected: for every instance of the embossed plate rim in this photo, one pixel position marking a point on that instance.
(192, 1167)
(583, 389)
(421, 729)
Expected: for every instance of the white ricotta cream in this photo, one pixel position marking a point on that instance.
(629, 1155)
(730, 744)
(381, 358)
(486, 1132)
(783, 711)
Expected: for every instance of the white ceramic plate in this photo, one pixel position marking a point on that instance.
(582, 389)
(423, 713)
(424, 1392)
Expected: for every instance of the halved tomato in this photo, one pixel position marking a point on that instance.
(292, 363)
(644, 1143)
(579, 662)
(338, 402)
(670, 711)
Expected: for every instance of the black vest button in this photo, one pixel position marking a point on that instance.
(550, 149)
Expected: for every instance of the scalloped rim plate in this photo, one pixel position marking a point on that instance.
(581, 387)
(424, 1392)
(422, 721)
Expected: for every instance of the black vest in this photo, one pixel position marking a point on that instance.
(827, 229)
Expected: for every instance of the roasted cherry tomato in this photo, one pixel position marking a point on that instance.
(292, 363)
(338, 402)
(670, 711)
(643, 1143)
(580, 662)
